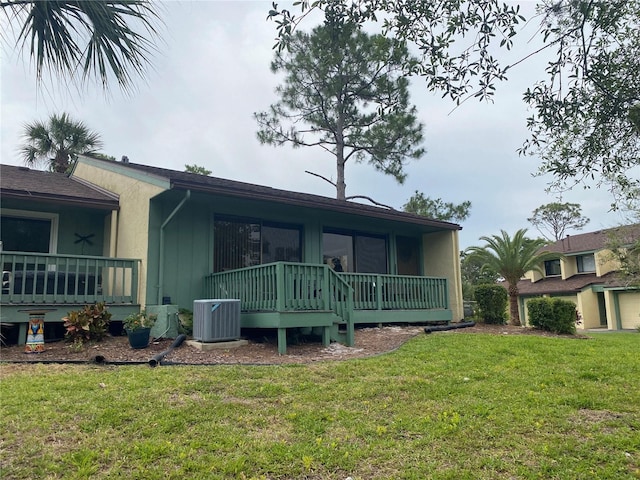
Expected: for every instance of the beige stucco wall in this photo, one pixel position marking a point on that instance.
(587, 305)
(442, 259)
(605, 262)
(129, 228)
(533, 275)
(568, 267)
(611, 310)
(629, 309)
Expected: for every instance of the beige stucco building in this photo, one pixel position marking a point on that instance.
(586, 273)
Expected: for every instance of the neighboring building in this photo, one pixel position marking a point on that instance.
(293, 259)
(586, 275)
(56, 238)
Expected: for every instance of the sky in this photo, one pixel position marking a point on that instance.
(212, 72)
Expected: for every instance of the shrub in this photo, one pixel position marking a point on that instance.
(89, 323)
(552, 314)
(492, 303)
(137, 321)
(185, 317)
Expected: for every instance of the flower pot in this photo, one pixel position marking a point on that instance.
(139, 338)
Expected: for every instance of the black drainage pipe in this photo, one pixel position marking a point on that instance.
(451, 326)
(156, 359)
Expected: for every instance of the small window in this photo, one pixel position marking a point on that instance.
(552, 268)
(586, 263)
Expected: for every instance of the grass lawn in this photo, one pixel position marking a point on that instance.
(444, 406)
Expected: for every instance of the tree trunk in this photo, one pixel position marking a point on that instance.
(341, 186)
(514, 312)
(61, 162)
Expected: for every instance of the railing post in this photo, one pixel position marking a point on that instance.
(351, 339)
(134, 282)
(325, 295)
(378, 290)
(280, 287)
(446, 293)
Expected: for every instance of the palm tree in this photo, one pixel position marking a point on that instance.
(57, 142)
(512, 258)
(94, 38)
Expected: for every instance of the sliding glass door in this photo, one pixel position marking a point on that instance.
(355, 252)
(240, 243)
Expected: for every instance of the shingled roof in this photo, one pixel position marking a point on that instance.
(572, 285)
(220, 186)
(23, 183)
(592, 241)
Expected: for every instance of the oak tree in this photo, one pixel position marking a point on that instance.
(554, 219)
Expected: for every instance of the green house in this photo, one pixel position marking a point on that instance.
(293, 260)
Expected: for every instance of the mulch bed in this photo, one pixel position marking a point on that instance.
(259, 350)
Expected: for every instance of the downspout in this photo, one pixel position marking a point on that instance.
(161, 254)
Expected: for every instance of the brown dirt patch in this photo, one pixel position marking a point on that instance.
(368, 342)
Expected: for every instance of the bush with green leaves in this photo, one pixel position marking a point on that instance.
(552, 314)
(91, 322)
(185, 318)
(491, 303)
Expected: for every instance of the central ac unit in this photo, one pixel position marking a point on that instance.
(216, 320)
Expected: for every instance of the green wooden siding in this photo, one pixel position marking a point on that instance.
(189, 238)
(71, 221)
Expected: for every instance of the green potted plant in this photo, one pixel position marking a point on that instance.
(88, 323)
(138, 328)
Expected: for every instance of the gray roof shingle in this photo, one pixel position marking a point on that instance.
(28, 184)
(214, 185)
(592, 241)
(556, 285)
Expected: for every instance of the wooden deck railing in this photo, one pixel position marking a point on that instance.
(295, 286)
(397, 292)
(283, 287)
(37, 278)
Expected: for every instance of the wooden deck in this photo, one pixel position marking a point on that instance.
(292, 295)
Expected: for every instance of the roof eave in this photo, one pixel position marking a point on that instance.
(62, 200)
(341, 207)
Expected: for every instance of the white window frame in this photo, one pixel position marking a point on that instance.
(53, 217)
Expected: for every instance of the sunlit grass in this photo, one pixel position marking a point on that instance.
(445, 406)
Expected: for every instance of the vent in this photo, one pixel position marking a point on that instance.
(216, 320)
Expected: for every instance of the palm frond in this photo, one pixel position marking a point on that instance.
(87, 39)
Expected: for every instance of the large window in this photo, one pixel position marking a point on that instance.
(408, 253)
(280, 244)
(22, 231)
(240, 243)
(552, 268)
(360, 253)
(586, 263)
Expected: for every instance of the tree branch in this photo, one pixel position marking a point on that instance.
(320, 176)
(370, 199)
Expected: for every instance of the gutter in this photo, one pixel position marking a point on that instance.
(161, 254)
